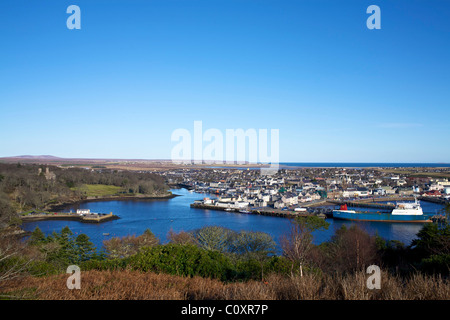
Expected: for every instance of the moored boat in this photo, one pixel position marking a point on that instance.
(403, 212)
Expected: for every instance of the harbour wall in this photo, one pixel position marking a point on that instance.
(259, 211)
(71, 217)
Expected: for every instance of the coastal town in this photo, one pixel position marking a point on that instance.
(298, 189)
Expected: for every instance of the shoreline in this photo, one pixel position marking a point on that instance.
(83, 219)
(60, 206)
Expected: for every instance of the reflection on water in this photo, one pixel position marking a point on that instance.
(160, 216)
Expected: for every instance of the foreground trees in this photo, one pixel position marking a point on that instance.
(230, 256)
(14, 261)
(298, 244)
(129, 245)
(432, 247)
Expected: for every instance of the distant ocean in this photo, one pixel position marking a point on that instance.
(362, 165)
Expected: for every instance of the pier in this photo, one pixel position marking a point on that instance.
(435, 200)
(266, 211)
(91, 218)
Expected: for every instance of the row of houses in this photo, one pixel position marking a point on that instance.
(294, 188)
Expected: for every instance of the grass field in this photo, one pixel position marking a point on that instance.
(99, 190)
(419, 174)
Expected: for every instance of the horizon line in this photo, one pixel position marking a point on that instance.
(43, 157)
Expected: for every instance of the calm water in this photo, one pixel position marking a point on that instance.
(162, 215)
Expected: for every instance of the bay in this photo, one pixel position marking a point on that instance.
(161, 216)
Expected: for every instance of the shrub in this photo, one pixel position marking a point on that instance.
(437, 264)
(184, 260)
(129, 245)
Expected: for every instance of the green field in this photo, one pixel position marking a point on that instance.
(419, 174)
(99, 190)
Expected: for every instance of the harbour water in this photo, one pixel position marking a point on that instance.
(160, 216)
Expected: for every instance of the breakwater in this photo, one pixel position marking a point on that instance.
(435, 200)
(93, 218)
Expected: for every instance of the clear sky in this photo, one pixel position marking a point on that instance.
(138, 70)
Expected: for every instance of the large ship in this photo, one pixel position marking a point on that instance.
(403, 212)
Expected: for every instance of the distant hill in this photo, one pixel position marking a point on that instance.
(37, 157)
(49, 159)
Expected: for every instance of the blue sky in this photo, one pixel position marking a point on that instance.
(138, 70)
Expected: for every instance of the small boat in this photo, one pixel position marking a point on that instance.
(106, 234)
(229, 209)
(244, 211)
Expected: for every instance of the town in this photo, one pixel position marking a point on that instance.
(297, 189)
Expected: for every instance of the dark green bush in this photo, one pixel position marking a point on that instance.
(183, 260)
(437, 264)
(111, 264)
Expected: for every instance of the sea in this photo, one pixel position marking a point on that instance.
(354, 165)
(363, 165)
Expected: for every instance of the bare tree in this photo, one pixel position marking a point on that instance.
(13, 263)
(213, 238)
(129, 245)
(181, 237)
(299, 242)
(352, 249)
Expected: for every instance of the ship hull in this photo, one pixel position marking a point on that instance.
(380, 217)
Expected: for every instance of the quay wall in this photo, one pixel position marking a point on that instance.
(70, 217)
(434, 200)
(260, 211)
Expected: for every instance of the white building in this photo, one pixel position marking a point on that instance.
(241, 204)
(289, 199)
(379, 192)
(360, 192)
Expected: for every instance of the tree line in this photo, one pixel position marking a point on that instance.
(22, 187)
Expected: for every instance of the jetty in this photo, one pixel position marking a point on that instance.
(435, 200)
(263, 211)
(86, 218)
